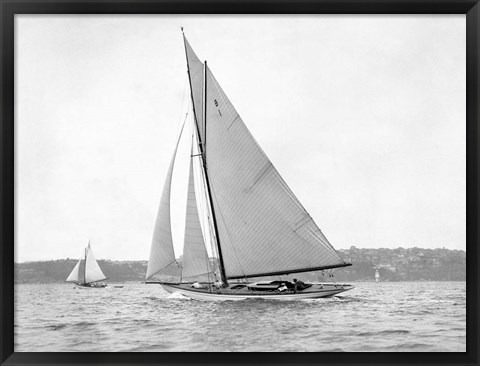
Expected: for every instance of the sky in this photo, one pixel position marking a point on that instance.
(363, 116)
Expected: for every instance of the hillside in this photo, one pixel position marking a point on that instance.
(400, 264)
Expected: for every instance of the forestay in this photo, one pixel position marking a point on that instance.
(195, 69)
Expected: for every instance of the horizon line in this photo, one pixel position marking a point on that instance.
(146, 260)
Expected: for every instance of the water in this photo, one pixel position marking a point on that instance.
(389, 317)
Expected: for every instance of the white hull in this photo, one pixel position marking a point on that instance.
(211, 296)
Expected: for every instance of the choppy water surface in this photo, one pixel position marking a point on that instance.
(400, 316)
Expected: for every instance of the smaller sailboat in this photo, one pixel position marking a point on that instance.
(90, 275)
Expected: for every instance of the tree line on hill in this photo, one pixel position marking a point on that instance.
(411, 264)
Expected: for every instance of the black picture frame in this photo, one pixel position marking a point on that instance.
(9, 8)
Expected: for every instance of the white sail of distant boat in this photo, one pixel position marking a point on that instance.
(256, 225)
(91, 275)
(75, 275)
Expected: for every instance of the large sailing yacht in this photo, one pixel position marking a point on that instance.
(256, 227)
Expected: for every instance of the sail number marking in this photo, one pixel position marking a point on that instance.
(216, 105)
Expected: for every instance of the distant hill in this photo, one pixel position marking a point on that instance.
(404, 264)
(400, 264)
(58, 270)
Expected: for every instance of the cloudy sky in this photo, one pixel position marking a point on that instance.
(363, 116)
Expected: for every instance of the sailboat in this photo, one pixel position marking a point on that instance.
(91, 275)
(255, 226)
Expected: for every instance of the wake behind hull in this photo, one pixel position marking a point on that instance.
(231, 295)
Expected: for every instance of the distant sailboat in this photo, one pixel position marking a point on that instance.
(91, 274)
(256, 226)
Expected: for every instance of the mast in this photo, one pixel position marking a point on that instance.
(220, 256)
(201, 145)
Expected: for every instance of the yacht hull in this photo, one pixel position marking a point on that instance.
(314, 292)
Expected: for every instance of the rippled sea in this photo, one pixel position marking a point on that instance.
(385, 317)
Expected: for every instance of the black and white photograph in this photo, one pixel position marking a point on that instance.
(240, 183)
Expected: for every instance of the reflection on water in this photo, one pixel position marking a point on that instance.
(390, 317)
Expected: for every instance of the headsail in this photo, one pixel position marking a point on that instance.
(162, 253)
(195, 256)
(263, 228)
(93, 271)
(74, 275)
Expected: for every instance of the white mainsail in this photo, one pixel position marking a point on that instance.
(93, 272)
(195, 256)
(74, 275)
(263, 228)
(162, 253)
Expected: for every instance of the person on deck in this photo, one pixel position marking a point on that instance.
(282, 288)
(299, 285)
(219, 284)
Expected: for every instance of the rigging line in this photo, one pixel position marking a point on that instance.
(206, 210)
(324, 243)
(207, 229)
(207, 179)
(174, 261)
(194, 171)
(213, 247)
(197, 173)
(334, 279)
(205, 226)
